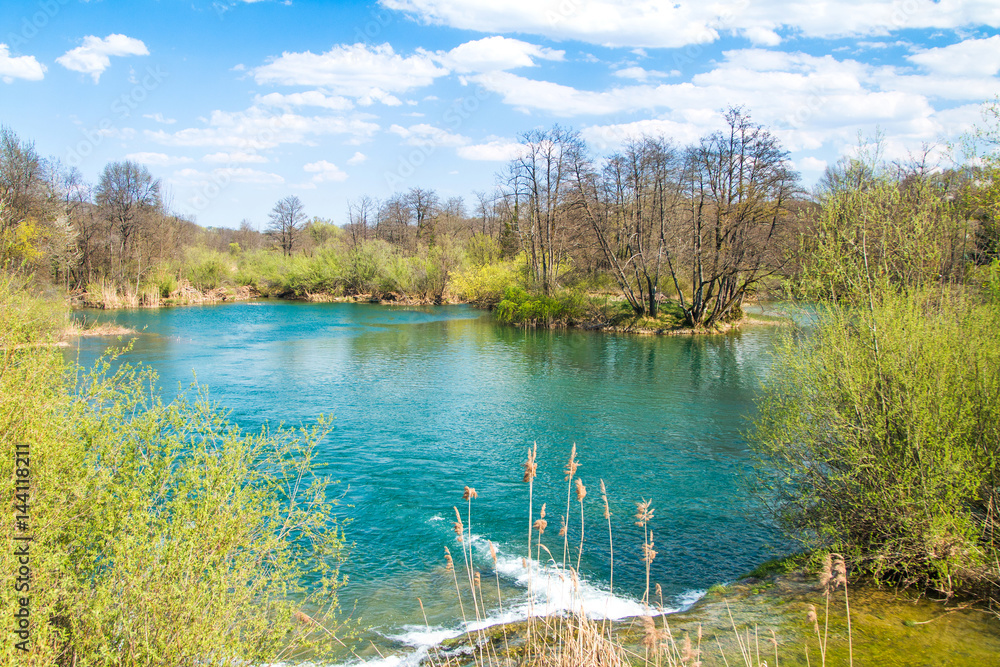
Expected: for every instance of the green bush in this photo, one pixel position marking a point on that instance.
(879, 437)
(160, 533)
(208, 269)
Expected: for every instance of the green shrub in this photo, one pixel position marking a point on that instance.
(161, 534)
(879, 437)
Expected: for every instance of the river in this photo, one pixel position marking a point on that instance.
(427, 400)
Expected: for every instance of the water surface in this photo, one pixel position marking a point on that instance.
(427, 400)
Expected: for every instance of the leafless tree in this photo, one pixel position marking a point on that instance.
(425, 206)
(737, 188)
(126, 193)
(629, 206)
(285, 222)
(540, 186)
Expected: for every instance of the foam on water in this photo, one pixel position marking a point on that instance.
(547, 589)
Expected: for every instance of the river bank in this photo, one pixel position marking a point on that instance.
(767, 620)
(187, 295)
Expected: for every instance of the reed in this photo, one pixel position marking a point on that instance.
(571, 638)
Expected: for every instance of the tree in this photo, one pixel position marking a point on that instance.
(737, 186)
(22, 183)
(540, 186)
(628, 206)
(286, 220)
(126, 193)
(425, 205)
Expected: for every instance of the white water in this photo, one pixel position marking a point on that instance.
(546, 589)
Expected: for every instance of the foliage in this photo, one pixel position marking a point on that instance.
(900, 225)
(161, 534)
(484, 284)
(520, 307)
(879, 437)
(208, 269)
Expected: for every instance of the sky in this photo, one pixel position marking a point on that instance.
(236, 104)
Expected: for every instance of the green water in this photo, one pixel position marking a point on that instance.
(428, 400)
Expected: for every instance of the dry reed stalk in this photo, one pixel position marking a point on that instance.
(570, 471)
(581, 493)
(530, 472)
(643, 515)
(840, 578)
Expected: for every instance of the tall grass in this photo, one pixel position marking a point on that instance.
(573, 638)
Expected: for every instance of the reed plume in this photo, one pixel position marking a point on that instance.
(581, 493)
(571, 467)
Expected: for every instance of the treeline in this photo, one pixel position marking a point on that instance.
(697, 228)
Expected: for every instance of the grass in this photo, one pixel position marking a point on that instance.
(573, 638)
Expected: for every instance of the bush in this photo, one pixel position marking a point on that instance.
(160, 533)
(208, 269)
(520, 307)
(879, 436)
(484, 285)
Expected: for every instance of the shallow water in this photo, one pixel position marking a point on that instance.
(427, 400)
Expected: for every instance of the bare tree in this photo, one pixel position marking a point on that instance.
(540, 184)
(361, 215)
(629, 206)
(22, 183)
(425, 206)
(394, 218)
(285, 222)
(126, 193)
(737, 187)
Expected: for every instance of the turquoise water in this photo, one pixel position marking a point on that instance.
(427, 400)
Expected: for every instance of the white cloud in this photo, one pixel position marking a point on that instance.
(19, 67)
(325, 171)
(254, 130)
(639, 74)
(95, 55)
(973, 57)
(367, 73)
(497, 150)
(656, 24)
(610, 137)
(158, 159)
(496, 53)
(194, 177)
(424, 134)
(158, 117)
(357, 158)
(811, 164)
(310, 98)
(236, 157)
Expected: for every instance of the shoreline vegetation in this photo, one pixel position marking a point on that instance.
(604, 312)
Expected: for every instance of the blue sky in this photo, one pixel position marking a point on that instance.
(237, 104)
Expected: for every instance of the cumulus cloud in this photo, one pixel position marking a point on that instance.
(357, 158)
(158, 159)
(367, 73)
(194, 177)
(159, 118)
(424, 134)
(255, 129)
(325, 171)
(235, 157)
(648, 23)
(972, 57)
(639, 74)
(309, 98)
(496, 53)
(19, 67)
(94, 56)
(496, 150)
